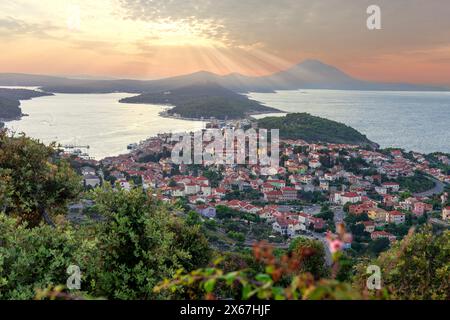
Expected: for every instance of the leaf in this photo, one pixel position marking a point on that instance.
(209, 285)
(262, 277)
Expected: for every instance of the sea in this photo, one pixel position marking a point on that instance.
(418, 121)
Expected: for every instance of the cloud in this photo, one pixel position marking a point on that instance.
(13, 27)
(304, 25)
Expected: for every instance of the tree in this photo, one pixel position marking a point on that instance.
(193, 218)
(32, 259)
(314, 261)
(35, 183)
(378, 245)
(415, 268)
(141, 242)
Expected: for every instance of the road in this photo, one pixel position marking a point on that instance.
(338, 214)
(438, 189)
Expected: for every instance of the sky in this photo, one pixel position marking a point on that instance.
(148, 39)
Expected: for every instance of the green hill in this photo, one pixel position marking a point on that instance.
(204, 100)
(10, 104)
(313, 129)
(9, 109)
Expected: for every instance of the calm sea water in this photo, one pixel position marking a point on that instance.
(97, 120)
(417, 121)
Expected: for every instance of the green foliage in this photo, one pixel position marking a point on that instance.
(313, 129)
(32, 259)
(193, 218)
(377, 246)
(140, 244)
(416, 268)
(416, 183)
(205, 100)
(314, 262)
(280, 279)
(37, 180)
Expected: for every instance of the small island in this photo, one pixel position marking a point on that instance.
(204, 101)
(314, 129)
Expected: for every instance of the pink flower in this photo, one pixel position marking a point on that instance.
(336, 245)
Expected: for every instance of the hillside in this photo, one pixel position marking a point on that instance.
(204, 100)
(10, 101)
(9, 109)
(313, 129)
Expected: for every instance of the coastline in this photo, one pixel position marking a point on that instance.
(165, 114)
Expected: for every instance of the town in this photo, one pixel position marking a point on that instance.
(377, 194)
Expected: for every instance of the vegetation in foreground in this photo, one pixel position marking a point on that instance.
(137, 248)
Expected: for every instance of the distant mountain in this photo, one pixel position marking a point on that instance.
(204, 100)
(314, 129)
(310, 74)
(22, 94)
(313, 74)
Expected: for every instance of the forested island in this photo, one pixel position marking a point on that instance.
(10, 102)
(204, 101)
(314, 129)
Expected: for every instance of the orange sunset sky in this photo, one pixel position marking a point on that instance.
(149, 39)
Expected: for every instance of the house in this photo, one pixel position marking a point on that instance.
(419, 208)
(350, 197)
(303, 218)
(390, 200)
(85, 171)
(358, 209)
(267, 187)
(91, 180)
(287, 227)
(318, 223)
(177, 191)
(202, 181)
(369, 226)
(277, 183)
(446, 213)
(381, 190)
(273, 196)
(396, 217)
(220, 192)
(206, 211)
(288, 194)
(314, 164)
(391, 186)
(324, 185)
(382, 234)
(377, 214)
(206, 189)
(280, 226)
(190, 188)
(124, 184)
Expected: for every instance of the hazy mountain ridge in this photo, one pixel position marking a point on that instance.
(310, 74)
